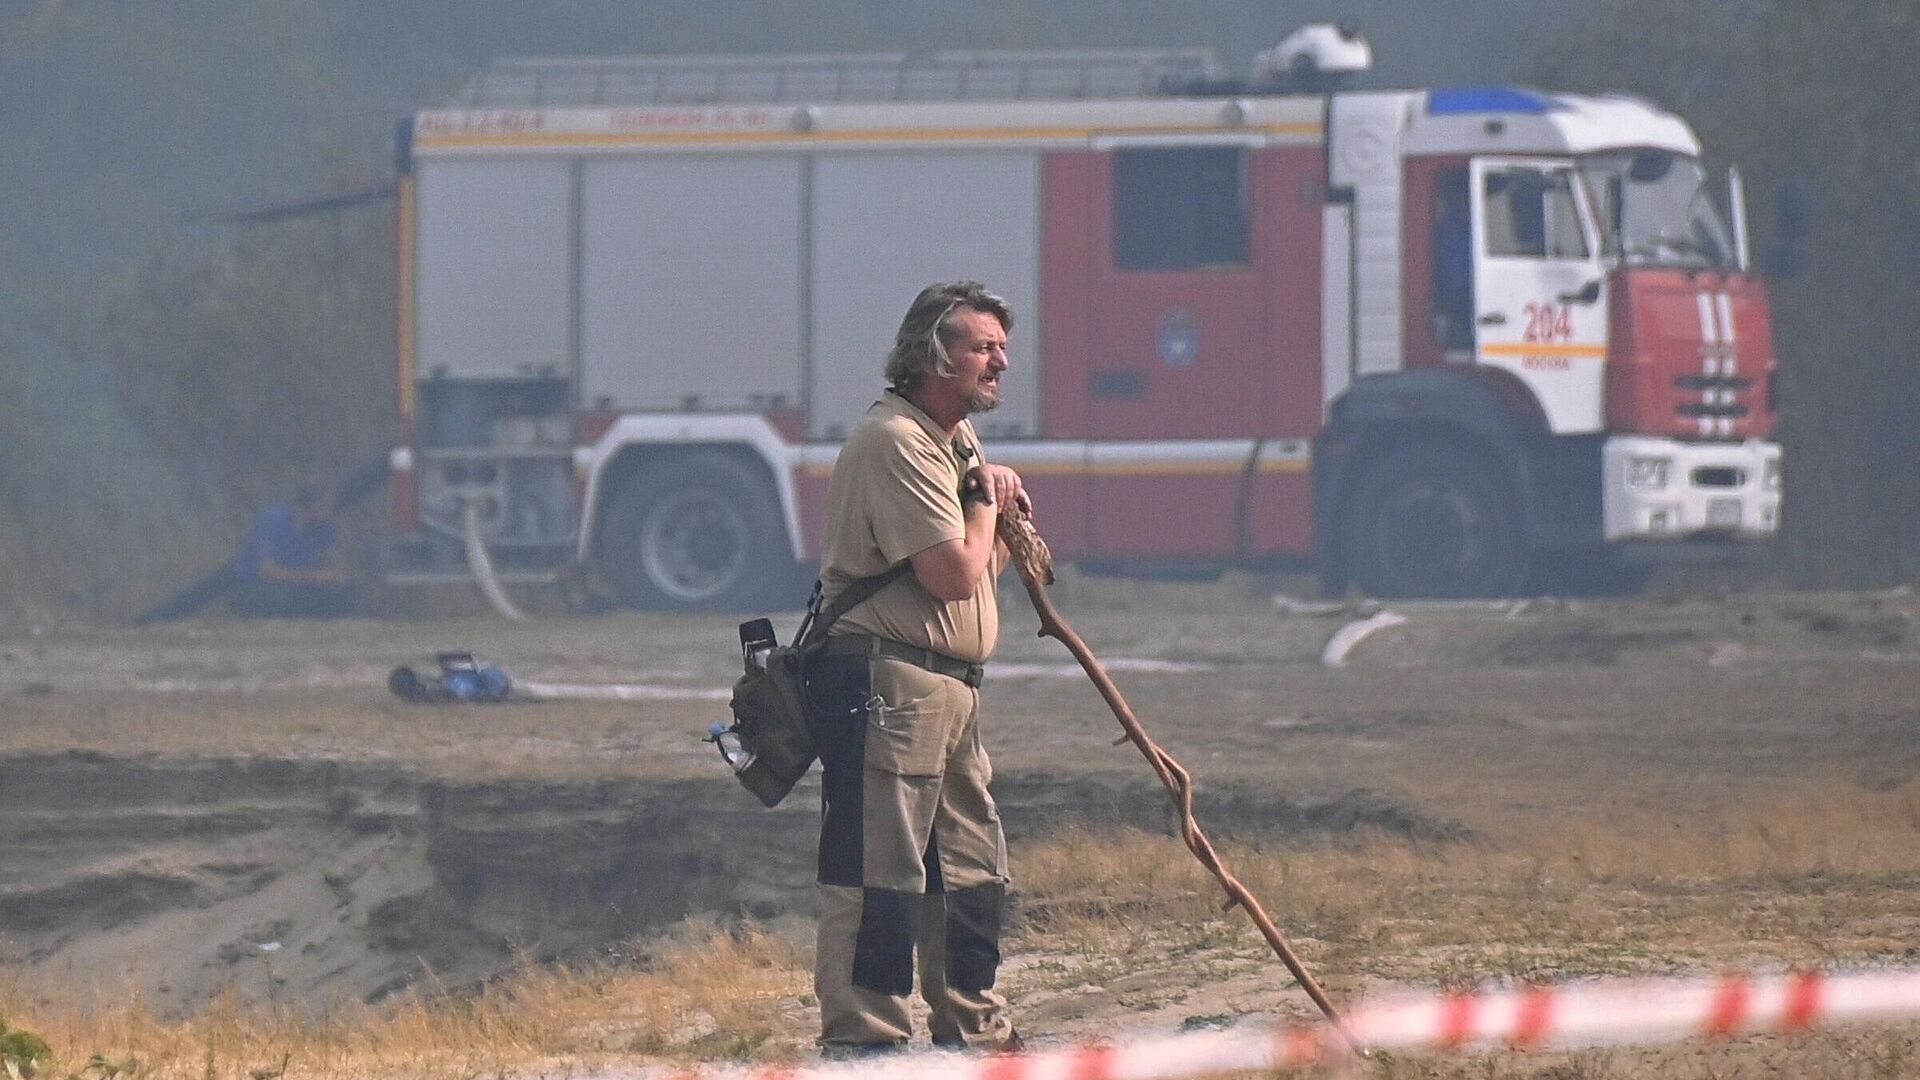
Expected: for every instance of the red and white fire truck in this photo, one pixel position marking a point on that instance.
(1417, 337)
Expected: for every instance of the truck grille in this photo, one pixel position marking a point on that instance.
(1696, 410)
(1713, 382)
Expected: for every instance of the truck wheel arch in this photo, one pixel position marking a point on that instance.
(634, 443)
(1477, 414)
(635, 459)
(694, 529)
(1436, 518)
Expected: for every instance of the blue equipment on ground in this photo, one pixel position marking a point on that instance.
(461, 678)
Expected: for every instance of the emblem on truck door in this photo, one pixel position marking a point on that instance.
(1178, 338)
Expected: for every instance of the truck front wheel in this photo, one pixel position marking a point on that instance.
(1435, 521)
(702, 533)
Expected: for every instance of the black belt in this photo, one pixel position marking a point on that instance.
(936, 662)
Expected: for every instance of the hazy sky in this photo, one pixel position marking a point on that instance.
(124, 119)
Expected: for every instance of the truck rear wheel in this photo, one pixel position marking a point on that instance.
(1435, 521)
(700, 533)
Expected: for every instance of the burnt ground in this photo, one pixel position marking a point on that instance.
(226, 804)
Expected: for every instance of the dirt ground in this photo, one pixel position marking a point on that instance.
(218, 804)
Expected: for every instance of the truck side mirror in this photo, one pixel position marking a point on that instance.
(1784, 261)
(1786, 257)
(1793, 211)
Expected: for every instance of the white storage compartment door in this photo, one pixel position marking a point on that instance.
(691, 282)
(885, 226)
(495, 266)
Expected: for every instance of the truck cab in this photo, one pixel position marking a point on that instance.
(1582, 356)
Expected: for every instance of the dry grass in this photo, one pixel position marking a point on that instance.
(1814, 880)
(1807, 880)
(1821, 880)
(720, 993)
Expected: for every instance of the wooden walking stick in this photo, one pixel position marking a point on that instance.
(1035, 565)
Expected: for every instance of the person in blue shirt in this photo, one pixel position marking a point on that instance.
(290, 565)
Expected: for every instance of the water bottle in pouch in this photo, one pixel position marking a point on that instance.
(722, 735)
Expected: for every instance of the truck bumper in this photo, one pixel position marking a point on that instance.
(1663, 489)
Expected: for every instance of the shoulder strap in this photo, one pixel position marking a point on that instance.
(817, 621)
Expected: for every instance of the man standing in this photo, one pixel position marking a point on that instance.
(912, 857)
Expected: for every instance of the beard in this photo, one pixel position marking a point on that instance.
(983, 399)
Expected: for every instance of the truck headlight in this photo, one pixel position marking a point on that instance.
(1770, 475)
(1646, 474)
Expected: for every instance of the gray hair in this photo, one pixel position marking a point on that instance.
(920, 347)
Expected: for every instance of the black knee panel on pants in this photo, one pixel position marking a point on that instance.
(883, 948)
(974, 917)
(837, 690)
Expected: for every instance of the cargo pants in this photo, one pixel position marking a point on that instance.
(912, 857)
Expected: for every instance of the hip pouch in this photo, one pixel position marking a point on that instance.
(772, 723)
(770, 718)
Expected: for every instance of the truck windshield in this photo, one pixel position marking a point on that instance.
(1655, 210)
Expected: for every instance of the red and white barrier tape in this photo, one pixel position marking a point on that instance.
(1615, 1012)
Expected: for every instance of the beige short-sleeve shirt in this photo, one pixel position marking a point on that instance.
(895, 492)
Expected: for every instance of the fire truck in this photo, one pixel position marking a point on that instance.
(1420, 339)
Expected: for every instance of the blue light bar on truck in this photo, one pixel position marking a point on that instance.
(1489, 99)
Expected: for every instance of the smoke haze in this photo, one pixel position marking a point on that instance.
(131, 127)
